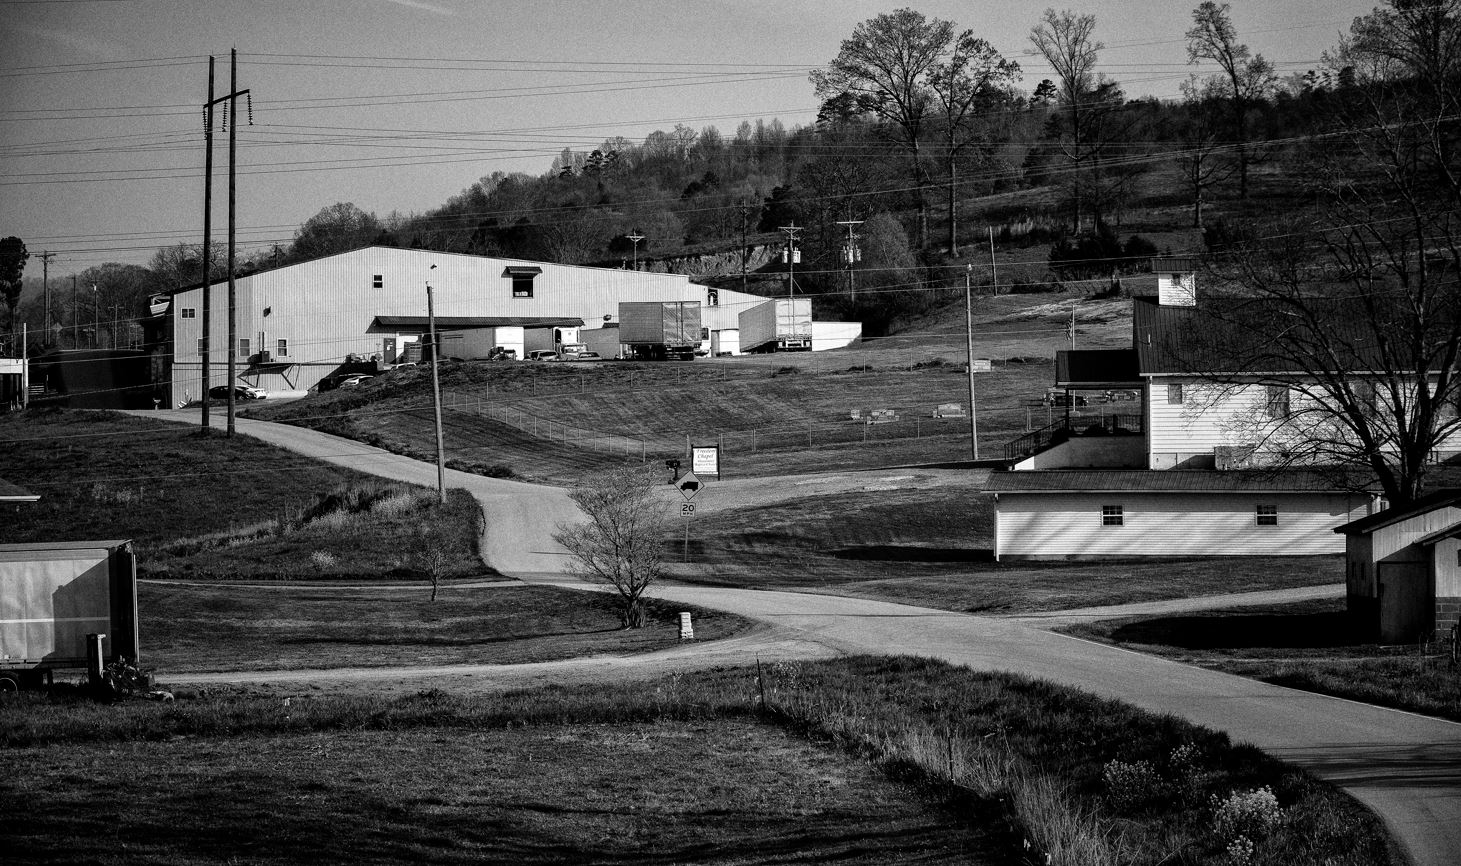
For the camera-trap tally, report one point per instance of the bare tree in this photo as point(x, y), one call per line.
point(1086, 100)
point(1353, 320)
point(1201, 159)
point(972, 82)
point(622, 541)
point(884, 69)
point(1248, 78)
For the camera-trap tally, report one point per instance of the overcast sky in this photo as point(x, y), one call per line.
point(396, 105)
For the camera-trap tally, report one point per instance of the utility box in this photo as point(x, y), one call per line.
point(53, 595)
point(660, 329)
point(780, 325)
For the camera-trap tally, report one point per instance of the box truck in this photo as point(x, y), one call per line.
point(54, 598)
point(656, 330)
point(779, 325)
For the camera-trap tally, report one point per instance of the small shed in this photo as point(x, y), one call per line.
point(1097, 513)
point(1403, 568)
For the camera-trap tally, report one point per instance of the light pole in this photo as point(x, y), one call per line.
point(636, 238)
point(436, 394)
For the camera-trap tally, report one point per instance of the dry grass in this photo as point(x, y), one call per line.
point(667, 770)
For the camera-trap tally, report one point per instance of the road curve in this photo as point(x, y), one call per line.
point(1407, 768)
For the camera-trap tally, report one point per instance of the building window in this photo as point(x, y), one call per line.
point(282, 348)
point(522, 280)
point(1266, 515)
point(712, 298)
point(243, 347)
point(378, 281)
point(1111, 515)
point(1364, 395)
point(1174, 394)
point(1278, 401)
point(189, 313)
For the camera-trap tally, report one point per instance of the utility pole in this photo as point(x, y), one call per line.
point(233, 96)
point(745, 245)
point(1072, 326)
point(993, 266)
point(45, 258)
point(206, 344)
point(231, 102)
point(636, 238)
point(436, 395)
point(790, 256)
point(95, 318)
point(969, 334)
point(851, 252)
point(75, 316)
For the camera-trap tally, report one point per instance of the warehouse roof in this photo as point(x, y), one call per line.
point(1158, 481)
point(396, 323)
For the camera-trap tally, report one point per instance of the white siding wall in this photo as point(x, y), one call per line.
point(1208, 416)
point(834, 335)
point(1170, 524)
point(1213, 415)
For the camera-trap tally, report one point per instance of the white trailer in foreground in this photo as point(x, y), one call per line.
point(54, 598)
point(779, 325)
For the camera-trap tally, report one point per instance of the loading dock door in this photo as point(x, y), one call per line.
point(1407, 610)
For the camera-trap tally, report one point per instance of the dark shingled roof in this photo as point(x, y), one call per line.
point(1429, 502)
point(1176, 264)
point(1156, 481)
point(442, 322)
point(11, 493)
point(1091, 368)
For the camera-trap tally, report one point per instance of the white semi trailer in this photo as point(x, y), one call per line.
point(779, 325)
point(656, 330)
point(63, 606)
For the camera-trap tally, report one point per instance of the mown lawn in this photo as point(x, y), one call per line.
point(933, 548)
point(241, 628)
point(1311, 646)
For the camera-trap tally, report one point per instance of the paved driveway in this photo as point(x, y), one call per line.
point(1405, 767)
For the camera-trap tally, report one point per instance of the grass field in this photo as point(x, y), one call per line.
point(1311, 646)
point(856, 760)
point(773, 414)
point(209, 509)
point(241, 628)
point(933, 548)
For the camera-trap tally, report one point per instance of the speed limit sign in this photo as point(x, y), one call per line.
point(687, 509)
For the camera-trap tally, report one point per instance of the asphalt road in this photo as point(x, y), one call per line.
point(1407, 768)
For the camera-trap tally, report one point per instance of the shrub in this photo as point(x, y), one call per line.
point(323, 559)
point(1246, 814)
point(1132, 786)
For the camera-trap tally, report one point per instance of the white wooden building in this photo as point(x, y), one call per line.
point(1403, 568)
point(297, 324)
point(1077, 514)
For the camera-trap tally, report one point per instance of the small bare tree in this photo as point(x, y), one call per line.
point(622, 542)
point(431, 552)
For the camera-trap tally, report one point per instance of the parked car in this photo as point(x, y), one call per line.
point(1061, 398)
point(543, 355)
point(502, 353)
point(1114, 396)
point(586, 356)
point(354, 380)
point(240, 392)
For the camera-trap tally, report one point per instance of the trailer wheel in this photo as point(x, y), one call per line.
point(9, 683)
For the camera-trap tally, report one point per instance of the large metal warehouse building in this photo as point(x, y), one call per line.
point(297, 324)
